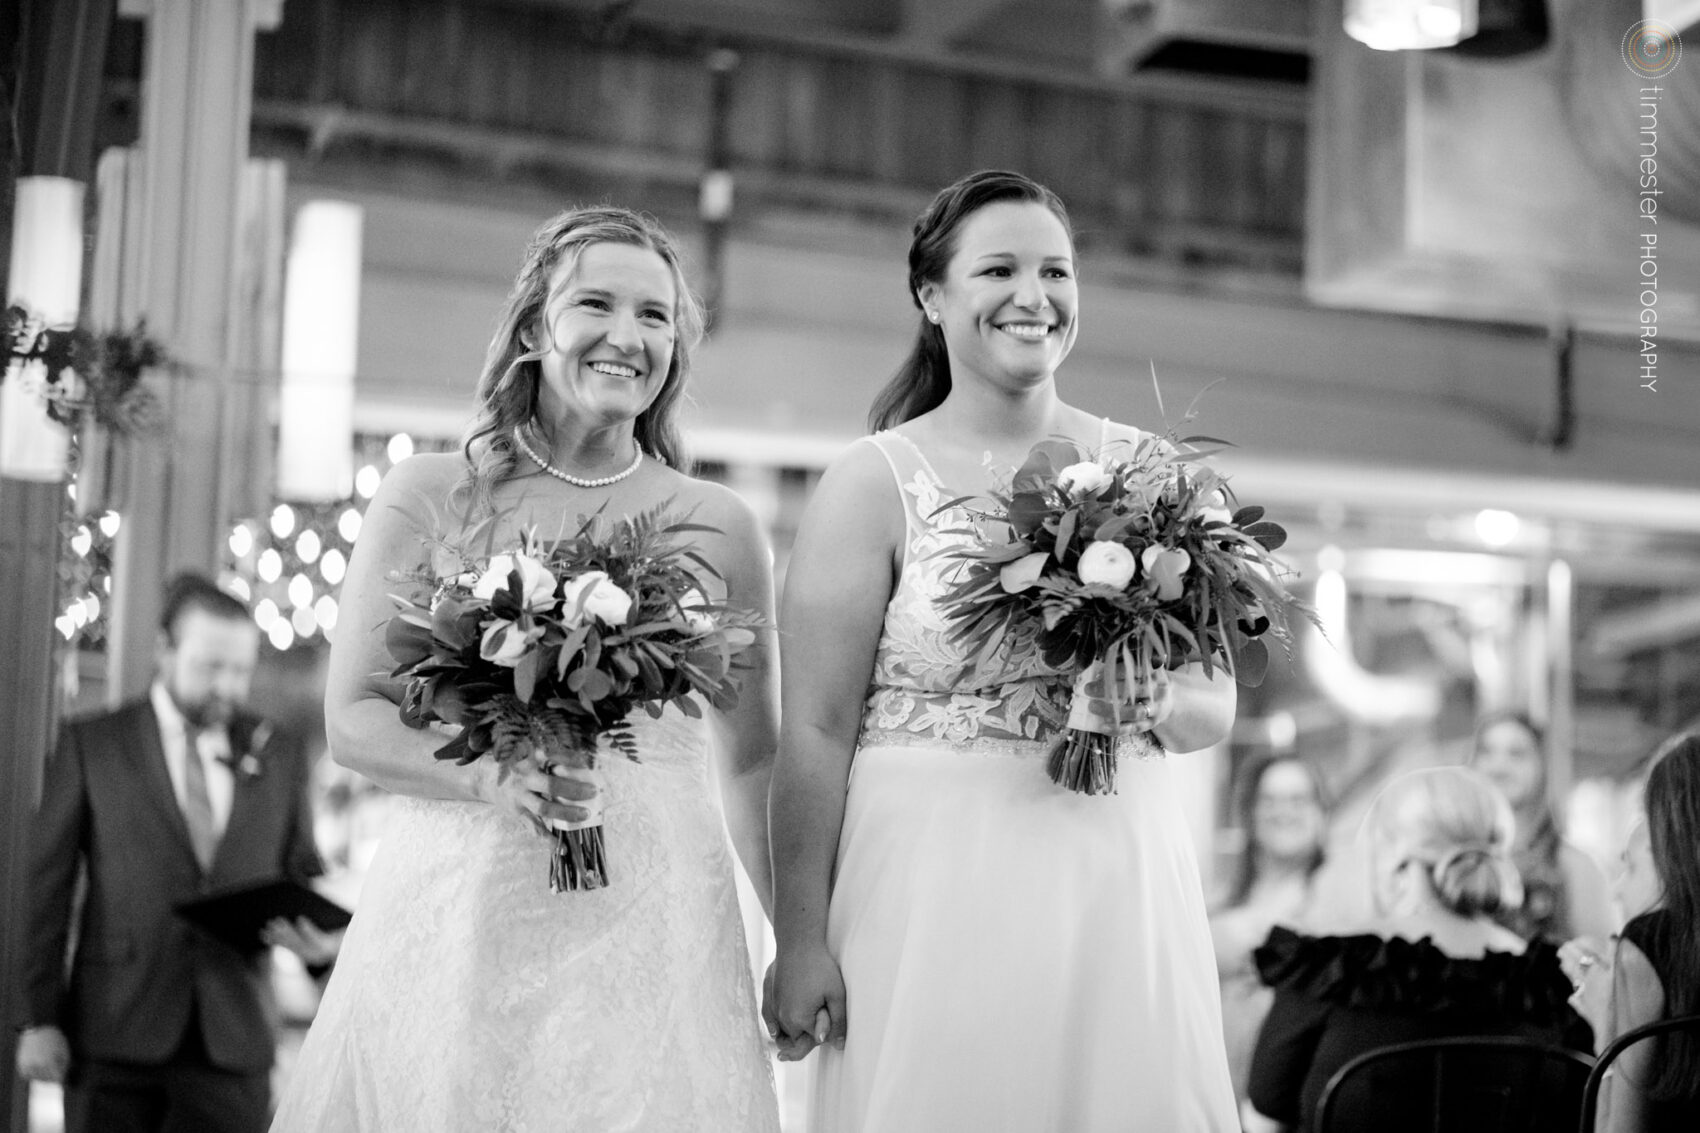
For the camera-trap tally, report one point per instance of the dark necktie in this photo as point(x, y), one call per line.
point(197, 801)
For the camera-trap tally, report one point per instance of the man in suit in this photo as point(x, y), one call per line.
point(153, 1025)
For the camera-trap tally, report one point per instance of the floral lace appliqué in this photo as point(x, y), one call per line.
point(924, 683)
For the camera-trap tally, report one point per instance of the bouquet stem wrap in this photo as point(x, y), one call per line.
point(580, 858)
point(1084, 759)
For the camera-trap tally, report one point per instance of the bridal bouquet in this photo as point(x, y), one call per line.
point(1120, 567)
point(539, 650)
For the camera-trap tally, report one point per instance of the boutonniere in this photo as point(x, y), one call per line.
point(248, 764)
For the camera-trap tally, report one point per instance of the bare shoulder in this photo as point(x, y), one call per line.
point(859, 470)
point(431, 474)
point(715, 505)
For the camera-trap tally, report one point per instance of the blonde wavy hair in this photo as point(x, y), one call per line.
point(507, 395)
point(1453, 821)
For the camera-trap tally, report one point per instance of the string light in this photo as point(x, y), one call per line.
point(281, 634)
point(366, 481)
point(289, 563)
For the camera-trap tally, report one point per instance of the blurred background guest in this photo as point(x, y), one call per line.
point(1435, 963)
point(1654, 971)
point(1564, 891)
point(1285, 820)
point(151, 1023)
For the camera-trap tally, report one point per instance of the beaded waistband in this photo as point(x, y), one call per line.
point(1139, 746)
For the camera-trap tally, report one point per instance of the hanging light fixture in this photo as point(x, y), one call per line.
point(321, 319)
point(45, 278)
point(1406, 25)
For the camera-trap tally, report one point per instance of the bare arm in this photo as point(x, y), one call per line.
point(836, 590)
point(747, 736)
point(1637, 997)
point(365, 732)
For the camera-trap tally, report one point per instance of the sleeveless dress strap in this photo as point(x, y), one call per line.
point(906, 461)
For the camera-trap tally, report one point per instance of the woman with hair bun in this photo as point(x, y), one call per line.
point(1435, 963)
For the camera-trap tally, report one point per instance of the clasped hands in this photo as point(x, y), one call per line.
point(803, 1006)
point(557, 798)
point(1142, 704)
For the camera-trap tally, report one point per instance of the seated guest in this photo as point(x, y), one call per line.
point(1564, 891)
point(1434, 964)
point(1285, 821)
point(1654, 971)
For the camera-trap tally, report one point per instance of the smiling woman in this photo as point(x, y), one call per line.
point(467, 995)
point(973, 946)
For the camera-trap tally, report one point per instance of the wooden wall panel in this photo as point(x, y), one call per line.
point(1193, 180)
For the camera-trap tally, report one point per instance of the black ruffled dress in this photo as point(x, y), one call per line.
point(1337, 997)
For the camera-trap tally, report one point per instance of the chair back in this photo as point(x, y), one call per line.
point(1475, 1084)
point(1614, 1049)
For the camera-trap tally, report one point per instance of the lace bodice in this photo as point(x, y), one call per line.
point(924, 684)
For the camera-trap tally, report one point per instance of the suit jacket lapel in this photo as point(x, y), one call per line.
point(150, 749)
point(248, 737)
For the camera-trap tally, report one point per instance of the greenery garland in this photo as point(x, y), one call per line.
point(89, 371)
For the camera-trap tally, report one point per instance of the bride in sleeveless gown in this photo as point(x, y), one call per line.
point(966, 945)
point(467, 995)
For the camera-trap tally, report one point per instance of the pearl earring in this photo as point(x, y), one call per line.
point(933, 316)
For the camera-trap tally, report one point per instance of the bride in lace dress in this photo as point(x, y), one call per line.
point(467, 996)
point(972, 946)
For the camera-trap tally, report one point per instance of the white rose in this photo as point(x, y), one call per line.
point(504, 643)
point(537, 585)
point(1023, 572)
point(1082, 479)
point(1216, 510)
point(693, 607)
point(592, 595)
point(1163, 570)
point(1106, 564)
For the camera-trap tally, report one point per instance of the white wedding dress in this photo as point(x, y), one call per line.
point(1017, 957)
point(468, 997)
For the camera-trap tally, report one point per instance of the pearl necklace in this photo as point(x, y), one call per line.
point(577, 481)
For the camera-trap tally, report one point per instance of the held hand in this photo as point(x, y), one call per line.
point(808, 998)
point(538, 796)
point(314, 945)
point(44, 1055)
point(1141, 705)
point(1587, 962)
